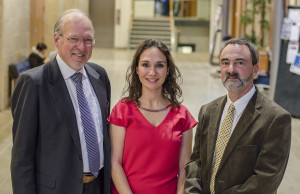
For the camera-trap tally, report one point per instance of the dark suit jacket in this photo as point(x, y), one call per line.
point(256, 155)
point(46, 153)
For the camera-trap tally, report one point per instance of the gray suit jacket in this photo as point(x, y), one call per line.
point(46, 153)
point(256, 155)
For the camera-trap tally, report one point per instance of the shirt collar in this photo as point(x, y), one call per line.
point(67, 71)
point(241, 103)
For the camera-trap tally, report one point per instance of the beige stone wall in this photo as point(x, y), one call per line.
point(53, 8)
point(15, 34)
point(52, 12)
point(1, 34)
point(14, 41)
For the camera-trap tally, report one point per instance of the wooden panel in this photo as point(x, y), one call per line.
point(242, 8)
point(36, 22)
point(237, 11)
point(191, 8)
point(236, 15)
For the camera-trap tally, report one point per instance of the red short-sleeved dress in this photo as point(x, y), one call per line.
point(151, 154)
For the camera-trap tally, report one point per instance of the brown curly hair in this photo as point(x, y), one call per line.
point(170, 88)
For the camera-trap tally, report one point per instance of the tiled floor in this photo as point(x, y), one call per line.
point(199, 87)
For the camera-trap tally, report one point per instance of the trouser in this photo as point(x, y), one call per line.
point(96, 186)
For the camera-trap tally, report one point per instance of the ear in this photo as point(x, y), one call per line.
point(56, 39)
point(168, 70)
point(255, 70)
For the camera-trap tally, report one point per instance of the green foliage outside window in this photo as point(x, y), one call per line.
point(253, 15)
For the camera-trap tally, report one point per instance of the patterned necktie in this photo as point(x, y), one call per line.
point(88, 126)
point(221, 143)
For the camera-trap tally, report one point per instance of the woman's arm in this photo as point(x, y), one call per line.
point(117, 136)
point(184, 158)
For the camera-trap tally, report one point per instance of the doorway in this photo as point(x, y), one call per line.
point(102, 15)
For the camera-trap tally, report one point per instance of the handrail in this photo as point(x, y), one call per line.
point(181, 8)
point(172, 26)
point(171, 19)
point(131, 15)
point(171, 15)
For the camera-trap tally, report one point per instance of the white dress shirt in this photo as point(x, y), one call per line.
point(89, 92)
point(239, 106)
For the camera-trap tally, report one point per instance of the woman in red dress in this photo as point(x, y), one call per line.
point(151, 131)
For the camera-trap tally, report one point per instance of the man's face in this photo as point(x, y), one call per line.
point(237, 71)
point(73, 44)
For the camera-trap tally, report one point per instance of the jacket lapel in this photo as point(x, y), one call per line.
point(249, 115)
point(100, 92)
point(98, 88)
point(63, 101)
point(215, 117)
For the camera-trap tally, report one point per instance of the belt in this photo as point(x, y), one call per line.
point(89, 177)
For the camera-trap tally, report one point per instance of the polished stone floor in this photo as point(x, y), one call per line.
point(199, 87)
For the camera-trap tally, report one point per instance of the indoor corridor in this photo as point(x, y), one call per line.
point(199, 87)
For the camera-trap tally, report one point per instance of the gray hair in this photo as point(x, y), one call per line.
point(67, 16)
point(242, 41)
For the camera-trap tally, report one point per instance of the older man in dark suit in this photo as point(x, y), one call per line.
point(242, 141)
point(60, 138)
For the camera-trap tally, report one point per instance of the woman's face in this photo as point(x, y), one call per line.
point(152, 69)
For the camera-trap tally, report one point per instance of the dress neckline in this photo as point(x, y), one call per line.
point(147, 121)
point(153, 110)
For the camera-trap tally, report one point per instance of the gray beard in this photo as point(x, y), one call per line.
point(232, 85)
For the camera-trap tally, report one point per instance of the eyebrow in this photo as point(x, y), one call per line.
point(240, 59)
point(75, 36)
point(237, 59)
point(161, 62)
point(156, 61)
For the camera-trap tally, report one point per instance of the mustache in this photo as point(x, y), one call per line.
point(232, 75)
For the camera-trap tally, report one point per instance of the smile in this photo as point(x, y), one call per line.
point(79, 55)
point(151, 80)
point(229, 78)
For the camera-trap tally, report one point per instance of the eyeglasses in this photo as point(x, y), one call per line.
point(75, 41)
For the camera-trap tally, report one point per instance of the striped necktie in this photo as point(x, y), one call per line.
point(221, 144)
point(88, 126)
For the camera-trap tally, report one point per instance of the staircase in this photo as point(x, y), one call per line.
point(153, 28)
